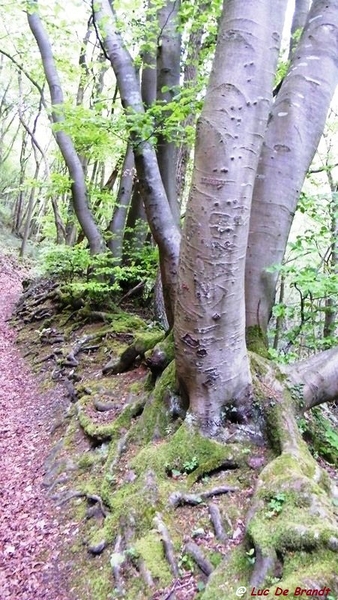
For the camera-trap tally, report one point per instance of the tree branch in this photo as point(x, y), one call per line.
point(318, 376)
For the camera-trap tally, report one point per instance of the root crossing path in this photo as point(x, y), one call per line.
point(31, 529)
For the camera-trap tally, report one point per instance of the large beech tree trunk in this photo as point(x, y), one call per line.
point(289, 145)
point(211, 356)
point(72, 160)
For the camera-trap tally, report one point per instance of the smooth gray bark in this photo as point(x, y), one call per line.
point(289, 146)
point(168, 82)
point(118, 222)
point(211, 357)
point(316, 378)
point(72, 160)
point(300, 16)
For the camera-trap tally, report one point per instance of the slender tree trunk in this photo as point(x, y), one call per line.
point(72, 160)
point(300, 16)
point(160, 218)
point(330, 301)
point(58, 222)
point(17, 216)
point(289, 147)
point(280, 318)
point(30, 209)
point(118, 222)
point(136, 227)
point(211, 357)
point(190, 78)
point(168, 82)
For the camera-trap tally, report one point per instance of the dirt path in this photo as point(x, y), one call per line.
point(30, 532)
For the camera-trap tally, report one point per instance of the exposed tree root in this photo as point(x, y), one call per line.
point(167, 544)
point(90, 497)
point(145, 573)
point(178, 498)
point(198, 557)
point(138, 348)
point(103, 406)
point(81, 346)
point(159, 357)
point(113, 429)
point(116, 566)
point(293, 494)
point(216, 519)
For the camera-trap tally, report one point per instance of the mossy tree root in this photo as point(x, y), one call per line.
point(81, 346)
point(216, 520)
point(291, 531)
point(107, 431)
point(163, 353)
point(167, 544)
point(116, 565)
point(292, 510)
point(198, 557)
point(141, 344)
point(179, 498)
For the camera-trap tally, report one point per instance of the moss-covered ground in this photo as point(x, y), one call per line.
point(141, 483)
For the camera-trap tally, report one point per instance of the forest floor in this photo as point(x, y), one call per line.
point(77, 494)
point(32, 529)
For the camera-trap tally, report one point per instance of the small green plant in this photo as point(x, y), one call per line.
point(132, 553)
point(276, 505)
point(302, 425)
point(178, 470)
point(186, 563)
point(250, 556)
point(190, 465)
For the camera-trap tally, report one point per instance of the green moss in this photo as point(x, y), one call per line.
point(185, 445)
point(126, 322)
point(286, 486)
point(156, 421)
point(87, 460)
point(107, 532)
point(233, 572)
point(150, 549)
point(165, 347)
point(140, 501)
point(110, 430)
point(257, 341)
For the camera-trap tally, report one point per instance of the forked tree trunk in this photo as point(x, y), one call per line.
point(289, 146)
point(211, 357)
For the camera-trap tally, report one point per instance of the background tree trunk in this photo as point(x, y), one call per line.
point(168, 83)
point(160, 218)
point(288, 149)
point(72, 160)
